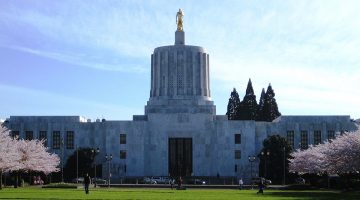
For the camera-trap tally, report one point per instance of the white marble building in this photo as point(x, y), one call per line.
point(179, 132)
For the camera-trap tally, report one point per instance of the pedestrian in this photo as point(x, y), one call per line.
point(241, 183)
point(261, 187)
point(172, 183)
point(87, 182)
point(179, 182)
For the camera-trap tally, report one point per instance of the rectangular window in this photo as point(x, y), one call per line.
point(236, 168)
point(29, 135)
point(43, 136)
point(56, 140)
point(122, 138)
point(70, 139)
point(290, 138)
point(122, 154)
point(237, 138)
point(331, 135)
point(15, 134)
point(317, 137)
point(304, 140)
point(237, 154)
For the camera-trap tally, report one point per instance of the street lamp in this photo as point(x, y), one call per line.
point(251, 160)
point(94, 153)
point(284, 158)
point(264, 155)
point(62, 159)
point(108, 159)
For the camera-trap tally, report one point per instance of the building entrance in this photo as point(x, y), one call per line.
point(180, 157)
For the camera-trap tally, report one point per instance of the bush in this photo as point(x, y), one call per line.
point(61, 185)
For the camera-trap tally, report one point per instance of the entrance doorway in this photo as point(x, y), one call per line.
point(180, 157)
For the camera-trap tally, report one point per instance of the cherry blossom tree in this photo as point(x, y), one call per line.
point(34, 157)
point(25, 155)
point(8, 155)
point(341, 155)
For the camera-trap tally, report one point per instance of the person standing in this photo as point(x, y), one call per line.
point(87, 182)
point(241, 183)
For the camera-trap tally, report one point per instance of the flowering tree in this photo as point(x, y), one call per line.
point(8, 156)
point(25, 155)
point(34, 157)
point(341, 155)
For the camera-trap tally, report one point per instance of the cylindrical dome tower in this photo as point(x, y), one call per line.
point(179, 76)
point(180, 72)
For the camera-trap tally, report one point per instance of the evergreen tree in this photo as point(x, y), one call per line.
point(233, 106)
point(248, 107)
point(270, 109)
point(259, 114)
point(273, 157)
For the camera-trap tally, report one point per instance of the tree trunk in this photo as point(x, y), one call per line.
point(1, 172)
point(16, 180)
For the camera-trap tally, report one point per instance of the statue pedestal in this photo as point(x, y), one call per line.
point(179, 37)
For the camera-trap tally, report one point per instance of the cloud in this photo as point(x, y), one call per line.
point(31, 101)
point(84, 60)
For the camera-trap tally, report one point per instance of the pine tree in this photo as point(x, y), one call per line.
point(248, 108)
point(259, 114)
point(233, 106)
point(270, 109)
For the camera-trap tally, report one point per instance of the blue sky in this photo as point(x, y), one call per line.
point(92, 58)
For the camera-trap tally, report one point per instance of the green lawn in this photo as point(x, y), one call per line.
point(163, 194)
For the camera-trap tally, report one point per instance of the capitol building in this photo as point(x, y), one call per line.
point(179, 132)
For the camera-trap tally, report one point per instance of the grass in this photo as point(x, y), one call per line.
point(165, 194)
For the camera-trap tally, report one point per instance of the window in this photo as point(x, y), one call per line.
point(70, 139)
point(331, 135)
point(56, 140)
point(122, 154)
point(237, 138)
point(304, 140)
point(122, 138)
point(290, 138)
point(15, 134)
point(43, 136)
point(29, 135)
point(317, 137)
point(236, 168)
point(237, 154)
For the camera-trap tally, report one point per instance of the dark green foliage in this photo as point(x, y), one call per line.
point(85, 164)
point(275, 145)
point(233, 106)
point(248, 107)
point(270, 109)
point(259, 112)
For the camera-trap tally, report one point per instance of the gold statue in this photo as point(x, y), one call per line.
point(179, 20)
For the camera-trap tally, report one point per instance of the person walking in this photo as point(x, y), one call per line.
point(87, 182)
point(261, 187)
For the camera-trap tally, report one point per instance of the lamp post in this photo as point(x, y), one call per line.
point(251, 160)
point(284, 165)
point(108, 159)
point(94, 153)
point(265, 155)
point(77, 164)
point(62, 159)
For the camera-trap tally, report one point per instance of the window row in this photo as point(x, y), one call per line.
point(57, 141)
point(304, 138)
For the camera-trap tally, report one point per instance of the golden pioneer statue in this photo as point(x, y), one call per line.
point(179, 20)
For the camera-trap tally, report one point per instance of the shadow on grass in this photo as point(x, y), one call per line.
point(316, 195)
